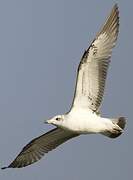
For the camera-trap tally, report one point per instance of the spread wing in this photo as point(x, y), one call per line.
point(94, 64)
point(37, 148)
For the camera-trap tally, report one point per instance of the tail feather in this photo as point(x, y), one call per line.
point(118, 129)
point(121, 122)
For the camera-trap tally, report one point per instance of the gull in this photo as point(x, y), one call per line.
point(84, 116)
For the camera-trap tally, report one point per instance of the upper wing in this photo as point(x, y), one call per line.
point(34, 150)
point(94, 63)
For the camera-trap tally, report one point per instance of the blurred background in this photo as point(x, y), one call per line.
point(41, 43)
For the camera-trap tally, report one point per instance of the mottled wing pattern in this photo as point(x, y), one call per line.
point(94, 64)
point(37, 148)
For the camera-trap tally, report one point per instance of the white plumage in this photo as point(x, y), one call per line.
point(83, 117)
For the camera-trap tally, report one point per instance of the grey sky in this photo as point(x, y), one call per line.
point(41, 43)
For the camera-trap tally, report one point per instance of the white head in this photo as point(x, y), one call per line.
point(56, 120)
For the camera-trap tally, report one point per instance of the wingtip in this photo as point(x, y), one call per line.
point(115, 5)
point(4, 167)
point(116, 8)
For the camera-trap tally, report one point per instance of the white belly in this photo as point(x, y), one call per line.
point(85, 122)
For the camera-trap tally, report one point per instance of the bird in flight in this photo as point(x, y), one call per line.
point(84, 116)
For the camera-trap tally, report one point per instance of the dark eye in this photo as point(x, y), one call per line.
point(57, 119)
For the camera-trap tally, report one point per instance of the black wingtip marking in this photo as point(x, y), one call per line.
point(4, 168)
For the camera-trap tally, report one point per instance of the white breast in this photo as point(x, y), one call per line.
point(84, 121)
